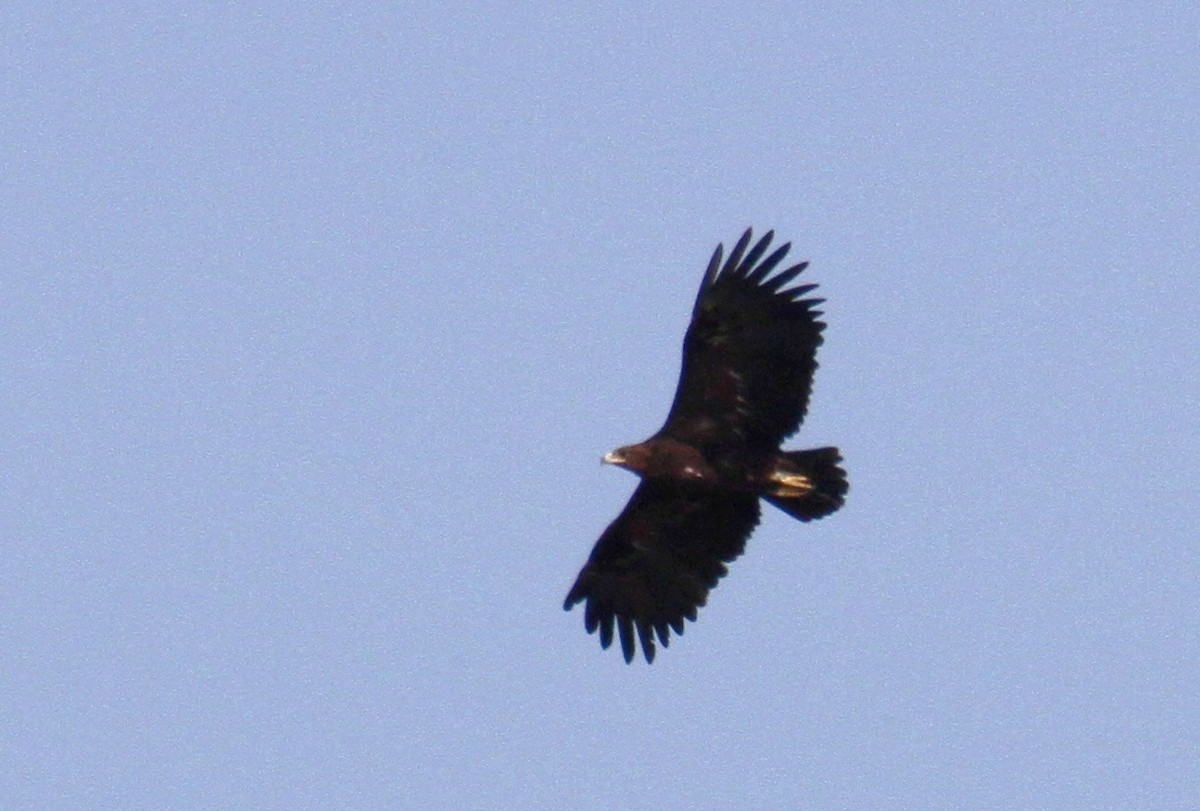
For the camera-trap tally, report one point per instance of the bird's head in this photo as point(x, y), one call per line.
point(630, 457)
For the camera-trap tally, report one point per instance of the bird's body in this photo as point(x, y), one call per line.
point(748, 361)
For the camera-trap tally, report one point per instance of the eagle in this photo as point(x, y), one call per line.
point(748, 361)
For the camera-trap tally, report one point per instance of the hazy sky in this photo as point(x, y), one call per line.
point(317, 320)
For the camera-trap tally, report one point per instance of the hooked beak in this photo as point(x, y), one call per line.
point(613, 458)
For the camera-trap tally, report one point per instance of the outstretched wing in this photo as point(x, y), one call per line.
point(750, 351)
point(654, 565)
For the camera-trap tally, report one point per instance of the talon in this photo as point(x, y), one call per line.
point(791, 485)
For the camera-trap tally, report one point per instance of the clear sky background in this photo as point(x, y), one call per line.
point(318, 318)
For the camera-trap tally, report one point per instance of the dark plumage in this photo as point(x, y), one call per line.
point(748, 362)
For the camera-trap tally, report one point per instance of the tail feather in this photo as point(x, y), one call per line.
point(811, 483)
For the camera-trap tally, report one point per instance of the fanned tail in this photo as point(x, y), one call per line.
point(808, 484)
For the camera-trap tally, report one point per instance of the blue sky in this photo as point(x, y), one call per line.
point(318, 321)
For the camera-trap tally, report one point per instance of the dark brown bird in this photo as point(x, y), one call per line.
point(748, 362)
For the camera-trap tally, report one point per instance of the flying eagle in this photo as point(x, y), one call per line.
point(748, 362)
